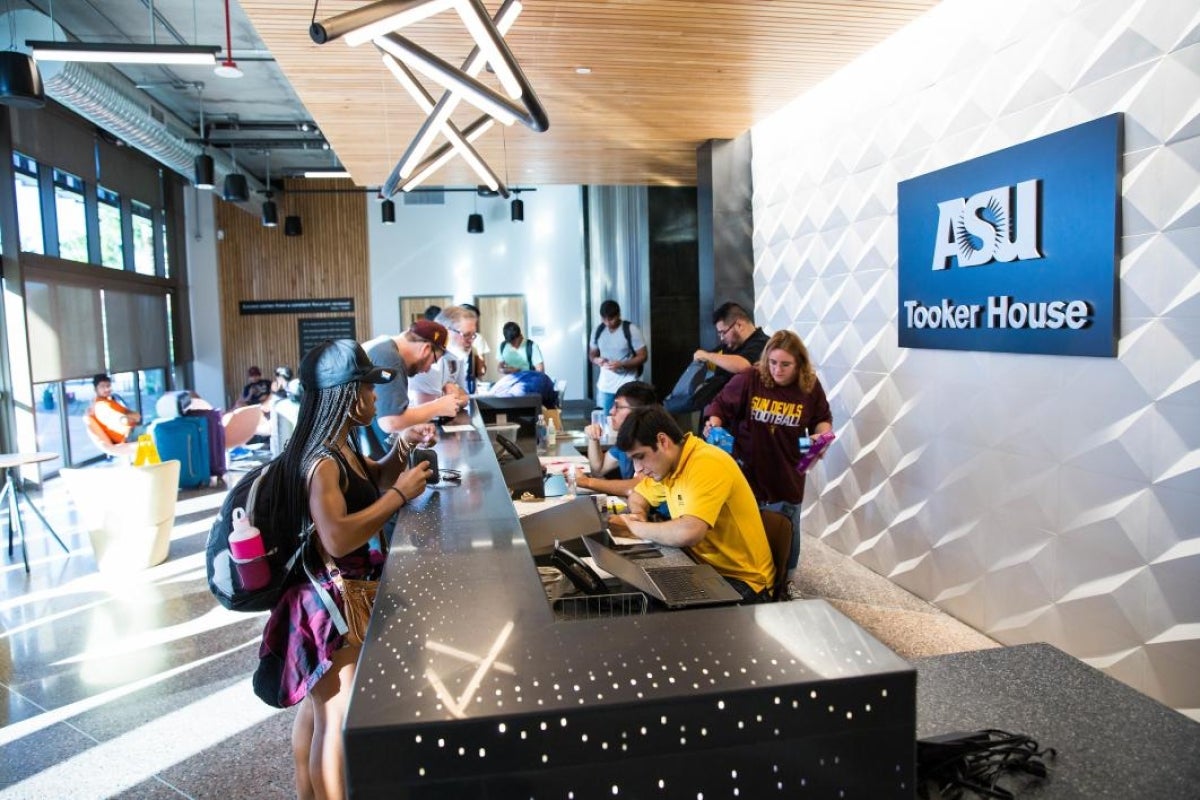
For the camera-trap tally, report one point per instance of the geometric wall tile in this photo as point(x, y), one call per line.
point(1035, 497)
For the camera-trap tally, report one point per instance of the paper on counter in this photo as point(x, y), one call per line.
point(591, 562)
point(457, 428)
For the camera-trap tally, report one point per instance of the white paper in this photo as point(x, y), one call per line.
point(457, 428)
point(591, 562)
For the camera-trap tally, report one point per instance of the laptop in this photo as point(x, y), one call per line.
point(564, 522)
point(677, 586)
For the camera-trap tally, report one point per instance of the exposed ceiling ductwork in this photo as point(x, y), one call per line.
point(107, 98)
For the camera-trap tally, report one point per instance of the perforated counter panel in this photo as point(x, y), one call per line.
point(468, 686)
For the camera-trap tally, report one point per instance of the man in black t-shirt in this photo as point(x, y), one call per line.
point(256, 390)
point(742, 344)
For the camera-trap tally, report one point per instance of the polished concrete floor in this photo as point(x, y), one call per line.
point(139, 686)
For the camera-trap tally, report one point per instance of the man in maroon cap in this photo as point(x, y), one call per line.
point(407, 354)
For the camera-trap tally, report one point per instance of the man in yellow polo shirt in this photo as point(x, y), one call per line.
point(713, 510)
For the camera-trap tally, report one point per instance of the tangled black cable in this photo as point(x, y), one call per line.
point(951, 764)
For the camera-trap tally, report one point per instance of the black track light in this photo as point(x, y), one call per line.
point(270, 214)
point(388, 209)
point(236, 189)
point(20, 81)
point(518, 210)
point(291, 225)
point(475, 223)
point(204, 171)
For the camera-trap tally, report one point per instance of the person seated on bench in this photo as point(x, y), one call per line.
point(112, 418)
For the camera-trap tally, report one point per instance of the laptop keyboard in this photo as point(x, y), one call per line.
point(678, 583)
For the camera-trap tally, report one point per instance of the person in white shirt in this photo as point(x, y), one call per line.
point(450, 374)
point(618, 349)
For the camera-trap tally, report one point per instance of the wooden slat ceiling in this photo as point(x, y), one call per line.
point(666, 75)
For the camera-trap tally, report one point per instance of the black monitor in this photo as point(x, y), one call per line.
point(522, 410)
point(524, 477)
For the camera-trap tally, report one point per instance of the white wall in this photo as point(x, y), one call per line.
point(1034, 497)
point(429, 252)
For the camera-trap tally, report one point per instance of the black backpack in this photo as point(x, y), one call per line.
point(628, 341)
point(528, 351)
point(286, 556)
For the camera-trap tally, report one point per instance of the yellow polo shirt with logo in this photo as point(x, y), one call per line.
point(707, 484)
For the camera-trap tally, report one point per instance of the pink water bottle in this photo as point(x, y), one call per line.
point(245, 542)
point(246, 547)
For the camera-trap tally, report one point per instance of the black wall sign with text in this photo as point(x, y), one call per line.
point(314, 305)
point(316, 330)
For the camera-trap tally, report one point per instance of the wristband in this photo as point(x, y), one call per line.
point(403, 499)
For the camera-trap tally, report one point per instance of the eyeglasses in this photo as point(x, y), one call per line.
point(721, 332)
point(465, 335)
point(615, 408)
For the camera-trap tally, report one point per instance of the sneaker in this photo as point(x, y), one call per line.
point(792, 592)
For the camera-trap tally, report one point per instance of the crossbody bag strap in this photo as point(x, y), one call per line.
point(308, 536)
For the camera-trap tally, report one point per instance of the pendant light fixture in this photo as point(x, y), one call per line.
point(228, 68)
point(270, 214)
point(203, 164)
point(236, 189)
point(475, 220)
point(20, 80)
point(517, 206)
point(388, 210)
point(292, 226)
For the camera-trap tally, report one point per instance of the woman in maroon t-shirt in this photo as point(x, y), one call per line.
point(768, 409)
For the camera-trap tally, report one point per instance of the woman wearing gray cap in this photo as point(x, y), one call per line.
point(322, 479)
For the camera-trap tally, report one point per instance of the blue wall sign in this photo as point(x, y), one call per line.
point(1016, 251)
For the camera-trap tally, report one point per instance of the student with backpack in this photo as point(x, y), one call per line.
point(322, 484)
point(618, 349)
point(518, 354)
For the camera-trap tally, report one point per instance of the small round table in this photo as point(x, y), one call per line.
point(11, 463)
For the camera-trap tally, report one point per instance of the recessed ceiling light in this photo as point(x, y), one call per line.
point(583, 70)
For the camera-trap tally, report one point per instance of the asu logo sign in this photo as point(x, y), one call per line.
point(979, 229)
point(1015, 251)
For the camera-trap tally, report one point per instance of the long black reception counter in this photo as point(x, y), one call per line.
point(469, 687)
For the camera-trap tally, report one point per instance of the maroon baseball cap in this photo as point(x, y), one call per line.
point(432, 332)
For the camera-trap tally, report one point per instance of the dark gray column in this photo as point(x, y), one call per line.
point(726, 225)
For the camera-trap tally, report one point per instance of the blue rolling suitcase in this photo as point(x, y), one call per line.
point(216, 439)
point(184, 439)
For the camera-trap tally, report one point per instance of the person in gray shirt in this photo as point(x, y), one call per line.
point(409, 354)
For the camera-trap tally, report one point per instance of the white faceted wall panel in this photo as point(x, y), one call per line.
point(1034, 497)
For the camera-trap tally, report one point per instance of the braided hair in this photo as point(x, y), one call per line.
point(320, 426)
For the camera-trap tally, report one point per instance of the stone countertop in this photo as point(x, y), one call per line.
point(1111, 740)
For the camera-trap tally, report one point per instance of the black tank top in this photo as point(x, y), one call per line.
point(359, 493)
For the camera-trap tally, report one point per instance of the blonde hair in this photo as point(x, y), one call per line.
point(789, 342)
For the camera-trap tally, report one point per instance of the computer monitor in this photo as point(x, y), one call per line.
point(566, 522)
point(524, 477)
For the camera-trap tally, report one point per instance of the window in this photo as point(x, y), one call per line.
point(152, 383)
point(77, 397)
point(143, 238)
point(166, 248)
point(29, 204)
point(45, 408)
point(112, 237)
point(72, 217)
